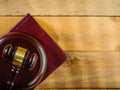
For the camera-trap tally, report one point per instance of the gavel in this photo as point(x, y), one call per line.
point(24, 60)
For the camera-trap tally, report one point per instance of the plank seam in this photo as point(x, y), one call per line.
point(62, 15)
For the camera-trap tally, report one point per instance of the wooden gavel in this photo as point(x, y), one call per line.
point(24, 61)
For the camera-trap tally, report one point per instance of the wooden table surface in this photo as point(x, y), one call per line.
point(88, 32)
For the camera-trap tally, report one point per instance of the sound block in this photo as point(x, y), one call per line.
point(25, 79)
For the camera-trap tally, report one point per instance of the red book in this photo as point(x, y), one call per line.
point(55, 56)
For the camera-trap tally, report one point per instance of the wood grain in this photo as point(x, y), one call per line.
point(76, 33)
point(86, 70)
point(91, 42)
point(60, 7)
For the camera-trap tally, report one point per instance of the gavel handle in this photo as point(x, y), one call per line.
point(14, 73)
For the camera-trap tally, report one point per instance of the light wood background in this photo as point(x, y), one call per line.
point(88, 31)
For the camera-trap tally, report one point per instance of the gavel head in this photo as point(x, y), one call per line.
point(26, 53)
point(20, 57)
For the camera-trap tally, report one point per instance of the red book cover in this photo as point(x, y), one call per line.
point(55, 56)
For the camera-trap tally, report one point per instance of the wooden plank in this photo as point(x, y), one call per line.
point(60, 7)
point(71, 89)
point(62, 89)
point(86, 70)
point(76, 33)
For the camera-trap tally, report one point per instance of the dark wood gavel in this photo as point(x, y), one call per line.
point(20, 58)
